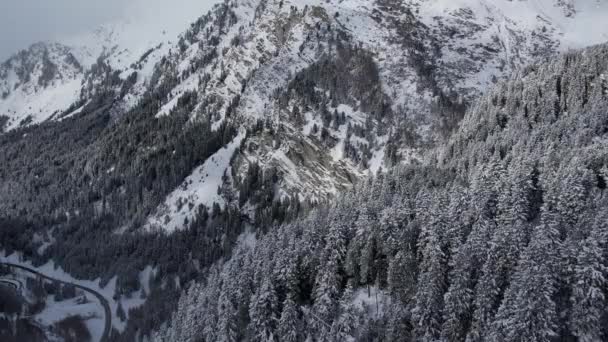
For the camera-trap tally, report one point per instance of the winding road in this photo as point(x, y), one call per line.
point(15, 284)
point(105, 337)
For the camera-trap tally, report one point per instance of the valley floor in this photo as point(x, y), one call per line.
point(96, 305)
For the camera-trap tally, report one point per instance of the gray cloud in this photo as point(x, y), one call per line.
point(24, 22)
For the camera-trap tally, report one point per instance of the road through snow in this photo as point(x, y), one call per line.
point(105, 337)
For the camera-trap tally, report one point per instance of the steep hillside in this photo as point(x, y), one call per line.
point(503, 239)
point(344, 88)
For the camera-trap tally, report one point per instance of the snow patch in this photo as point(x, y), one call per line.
point(37, 104)
point(371, 300)
point(201, 187)
point(89, 311)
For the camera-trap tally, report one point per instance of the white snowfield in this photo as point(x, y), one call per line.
point(521, 29)
point(28, 102)
point(201, 187)
point(38, 98)
point(579, 23)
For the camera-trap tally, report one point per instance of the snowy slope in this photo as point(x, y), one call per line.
point(494, 37)
point(38, 83)
point(248, 52)
point(202, 187)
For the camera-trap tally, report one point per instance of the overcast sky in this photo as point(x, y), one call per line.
point(23, 22)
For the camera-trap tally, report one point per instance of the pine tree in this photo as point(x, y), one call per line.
point(227, 328)
point(263, 312)
point(429, 297)
point(345, 325)
point(289, 327)
point(120, 312)
point(528, 310)
point(505, 247)
point(367, 261)
point(402, 275)
point(325, 304)
point(393, 222)
point(589, 304)
point(328, 282)
point(465, 273)
point(570, 201)
point(399, 326)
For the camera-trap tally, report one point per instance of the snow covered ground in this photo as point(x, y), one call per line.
point(39, 106)
point(372, 300)
point(581, 26)
point(92, 311)
point(201, 187)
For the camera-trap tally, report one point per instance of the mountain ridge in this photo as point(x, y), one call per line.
point(424, 61)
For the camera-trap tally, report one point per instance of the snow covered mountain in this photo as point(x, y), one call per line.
point(52, 80)
point(38, 83)
point(348, 87)
point(322, 92)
